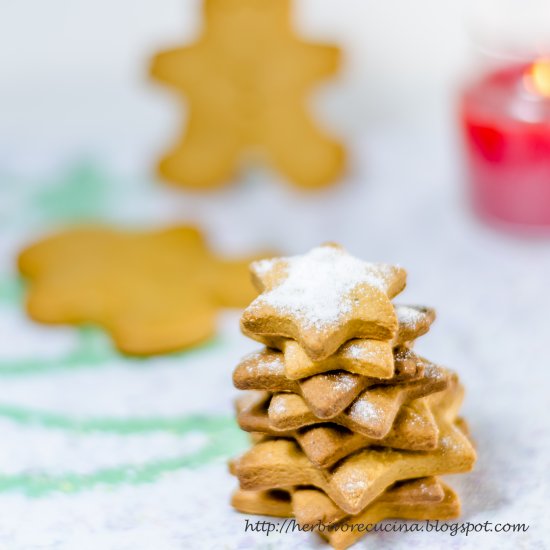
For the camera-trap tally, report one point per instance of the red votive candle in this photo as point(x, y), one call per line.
point(505, 116)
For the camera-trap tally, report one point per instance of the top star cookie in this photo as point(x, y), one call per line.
point(323, 298)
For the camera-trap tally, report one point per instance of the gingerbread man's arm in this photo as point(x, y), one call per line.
point(317, 61)
point(177, 67)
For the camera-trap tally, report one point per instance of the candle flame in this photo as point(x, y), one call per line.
point(537, 78)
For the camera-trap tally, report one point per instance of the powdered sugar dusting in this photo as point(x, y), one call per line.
point(449, 444)
point(358, 350)
point(414, 419)
point(344, 383)
point(409, 317)
point(277, 407)
point(425, 488)
point(365, 412)
point(434, 372)
point(267, 363)
point(354, 350)
point(354, 485)
point(273, 364)
point(262, 267)
point(318, 285)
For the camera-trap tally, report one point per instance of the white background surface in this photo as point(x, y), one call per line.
point(74, 74)
point(73, 84)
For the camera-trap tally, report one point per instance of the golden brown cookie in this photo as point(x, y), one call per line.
point(310, 502)
point(155, 292)
point(371, 414)
point(422, 499)
point(347, 422)
point(366, 357)
point(246, 82)
point(358, 479)
point(414, 429)
point(323, 299)
point(341, 537)
point(326, 394)
point(371, 358)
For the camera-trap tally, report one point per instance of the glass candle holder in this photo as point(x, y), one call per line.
point(505, 121)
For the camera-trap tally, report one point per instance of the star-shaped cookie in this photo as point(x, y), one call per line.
point(324, 444)
point(326, 394)
point(418, 499)
point(372, 358)
point(323, 299)
point(358, 479)
point(155, 292)
point(372, 413)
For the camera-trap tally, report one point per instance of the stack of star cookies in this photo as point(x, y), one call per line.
point(350, 426)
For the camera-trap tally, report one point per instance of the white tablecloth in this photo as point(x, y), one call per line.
point(104, 452)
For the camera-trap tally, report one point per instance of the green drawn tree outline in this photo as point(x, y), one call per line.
point(92, 350)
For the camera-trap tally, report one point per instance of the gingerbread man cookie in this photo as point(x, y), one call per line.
point(246, 81)
point(155, 292)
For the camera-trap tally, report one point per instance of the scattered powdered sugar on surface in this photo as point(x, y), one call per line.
point(364, 411)
point(317, 286)
point(487, 336)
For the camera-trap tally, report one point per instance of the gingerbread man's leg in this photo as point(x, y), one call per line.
point(207, 155)
point(300, 150)
point(297, 147)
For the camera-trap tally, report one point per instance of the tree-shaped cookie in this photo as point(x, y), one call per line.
point(154, 292)
point(340, 409)
point(246, 81)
